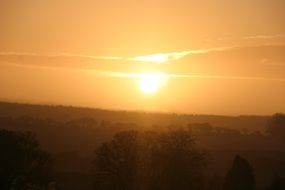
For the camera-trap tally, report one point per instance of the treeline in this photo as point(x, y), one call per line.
point(69, 113)
point(130, 156)
point(85, 134)
point(131, 160)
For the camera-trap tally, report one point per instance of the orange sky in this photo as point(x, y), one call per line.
point(220, 56)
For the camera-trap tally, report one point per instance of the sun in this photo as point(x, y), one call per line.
point(149, 83)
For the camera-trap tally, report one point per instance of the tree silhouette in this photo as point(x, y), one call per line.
point(276, 126)
point(22, 164)
point(240, 176)
point(216, 183)
point(149, 160)
point(276, 184)
point(116, 162)
point(176, 163)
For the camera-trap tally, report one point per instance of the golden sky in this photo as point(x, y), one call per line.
point(206, 56)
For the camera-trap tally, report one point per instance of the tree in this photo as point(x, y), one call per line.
point(176, 162)
point(275, 184)
point(240, 176)
point(201, 128)
point(149, 160)
point(22, 164)
point(216, 183)
point(276, 126)
point(115, 164)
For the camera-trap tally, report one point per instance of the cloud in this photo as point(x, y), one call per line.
point(61, 60)
point(155, 58)
point(188, 76)
point(158, 58)
point(261, 38)
point(162, 58)
point(171, 61)
point(191, 76)
point(235, 61)
point(29, 54)
point(265, 36)
point(224, 77)
point(137, 75)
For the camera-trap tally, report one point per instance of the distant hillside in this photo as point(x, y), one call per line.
point(66, 113)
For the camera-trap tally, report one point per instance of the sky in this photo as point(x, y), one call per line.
point(223, 57)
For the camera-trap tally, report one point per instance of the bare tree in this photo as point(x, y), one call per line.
point(149, 160)
point(22, 164)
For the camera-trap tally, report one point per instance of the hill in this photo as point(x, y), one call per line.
point(67, 113)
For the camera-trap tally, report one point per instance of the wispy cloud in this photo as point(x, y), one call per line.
point(224, 77)
point(260, 37)
point(156, 58)
point(137, 75)
point(265, 36)
point(80, 61)
point(150, 58)
point(60, 55)
point(191, 76)
point(186, 76)
point(161, 58)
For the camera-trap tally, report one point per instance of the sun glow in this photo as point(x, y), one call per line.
point(150, 82)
